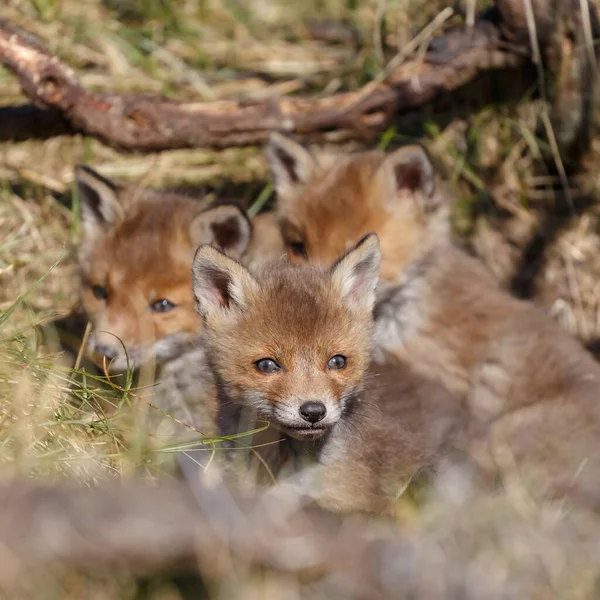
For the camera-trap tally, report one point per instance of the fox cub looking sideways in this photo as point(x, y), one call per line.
point(294, 346)
point(532, 392)
point(135, 258)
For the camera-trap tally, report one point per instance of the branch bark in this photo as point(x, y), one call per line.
point(144, 529)
point(136, 122)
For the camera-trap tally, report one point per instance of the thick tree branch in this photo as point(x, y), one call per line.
point(136, 122)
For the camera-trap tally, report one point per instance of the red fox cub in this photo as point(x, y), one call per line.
point(135, 258)
point(532, 392)
point(293, 345)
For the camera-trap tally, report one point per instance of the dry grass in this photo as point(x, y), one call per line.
point(56, 423)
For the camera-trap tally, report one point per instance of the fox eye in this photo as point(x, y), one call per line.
point(161, 306)
point(267, 366)
point(297, 248)
point(100, 292)
point(337, 362)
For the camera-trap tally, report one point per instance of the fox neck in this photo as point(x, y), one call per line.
point(400, 310)
point(183, 349)
point(230, 408)
point(232, 411)
point(417, 320)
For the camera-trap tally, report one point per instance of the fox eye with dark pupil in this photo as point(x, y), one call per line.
point(337, 362)
point(100, 292)
point(297, 248)
point(162, 305)
point(267, 366)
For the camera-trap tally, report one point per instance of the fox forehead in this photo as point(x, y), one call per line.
point(130, 266)
point(131, 253)
point(297, 315)
point(343, 197)
point(340, 181)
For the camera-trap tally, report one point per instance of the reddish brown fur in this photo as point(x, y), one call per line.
point(298, 321)
point(531, 390)
point(343, 200)
point(404, 424)
point(144, 254)
point(299, 318)
point(266, 243)
point(145, 258)
point(138, 244)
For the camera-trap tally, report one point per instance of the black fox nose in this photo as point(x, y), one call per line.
point(107, 351)
point(312, 411)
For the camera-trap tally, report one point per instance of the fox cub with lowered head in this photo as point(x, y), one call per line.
point(293, 345)
point(532, 392)
point(135, 258)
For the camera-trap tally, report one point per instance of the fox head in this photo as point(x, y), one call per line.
point(135, 255)
point(290, 343)
point(326, 202)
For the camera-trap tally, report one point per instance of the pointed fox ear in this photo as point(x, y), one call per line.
point(356, 274)
point(221, 285)
point(409, 172)
point(291, 163)
point(226, 227)
point(99, 201)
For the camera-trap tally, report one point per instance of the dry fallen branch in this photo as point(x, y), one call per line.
point(469, 546)
point(144, 529)
point(548, 16)
point(136, 122)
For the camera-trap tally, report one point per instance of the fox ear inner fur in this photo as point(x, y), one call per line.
point(221, 285)
point(226, 227)
point(410, 172)
point(101, 208)
point(291, 163)
point(356, 274)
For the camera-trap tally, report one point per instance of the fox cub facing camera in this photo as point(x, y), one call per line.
point(293, 345)
point(532, 392)
point(135, 258)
